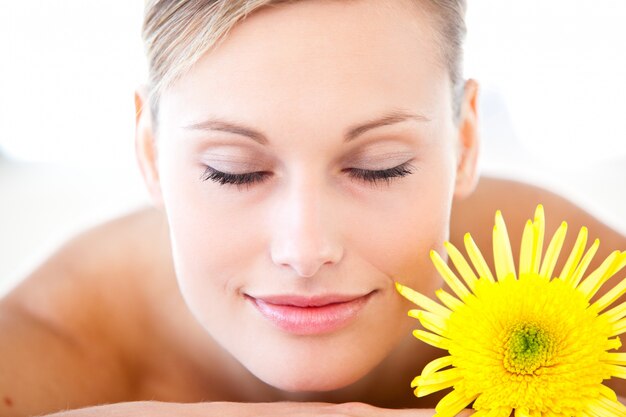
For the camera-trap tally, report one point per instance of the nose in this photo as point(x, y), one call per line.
point(304, 236)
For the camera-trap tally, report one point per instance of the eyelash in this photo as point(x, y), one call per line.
point(248, 178)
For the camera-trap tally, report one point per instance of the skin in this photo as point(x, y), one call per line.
point(300, 231)
point(102, 321)
point(151, 307)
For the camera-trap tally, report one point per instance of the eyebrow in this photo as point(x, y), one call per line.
point(389, 118)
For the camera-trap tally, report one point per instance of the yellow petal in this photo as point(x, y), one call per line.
point(449, 376)
point(617, 371)
point(461, 265)
point(615, 358)
point(430, 321)
point(432, 339)
point(623, 261)
point(422, 301)
point(611, 296)
point(618, 327)
point(416, 382)
point(539, 224)
point(615, 343)
point(575, 255)
point(429, 389)
point(477, 258)
point(449, 300)
point(598, 277)
point(614, 406)
point(575, 278)
point(446, 273)
point(527, 248)
point(437, 381)
point(553, 251)
point(437, 365)
point(608, 392)
point(603, 407)
point(613, 314)
point(502, 254)
point(453, 403)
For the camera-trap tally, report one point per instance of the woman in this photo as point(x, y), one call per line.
point(298, 167)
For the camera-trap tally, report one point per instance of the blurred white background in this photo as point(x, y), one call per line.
point(553, 110)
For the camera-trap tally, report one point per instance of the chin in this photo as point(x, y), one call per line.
point(310, 369)
point(312, 381)
point(316, 363)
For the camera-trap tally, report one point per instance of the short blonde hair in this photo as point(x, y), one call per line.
point(176, 33)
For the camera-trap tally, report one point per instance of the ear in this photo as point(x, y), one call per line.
point(468, 142)
point(145, 146)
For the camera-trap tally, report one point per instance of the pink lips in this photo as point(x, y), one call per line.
point(310, 315)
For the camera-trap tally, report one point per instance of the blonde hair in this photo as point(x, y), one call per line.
point(176, 33)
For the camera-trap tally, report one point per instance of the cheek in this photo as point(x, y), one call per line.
point(209, 240)
point(398, 239)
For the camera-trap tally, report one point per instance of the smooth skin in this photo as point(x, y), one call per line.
point(152, 307)
point(102, 321)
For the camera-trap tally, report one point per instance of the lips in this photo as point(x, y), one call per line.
point(310, 315)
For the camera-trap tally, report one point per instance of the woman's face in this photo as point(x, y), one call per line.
point(339, 115)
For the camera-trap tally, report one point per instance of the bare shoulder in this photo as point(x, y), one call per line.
point(517, 201)
point(69, 329)
point(94, 268)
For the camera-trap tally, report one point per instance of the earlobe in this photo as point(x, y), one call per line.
point(469, 141)
point(145, 147)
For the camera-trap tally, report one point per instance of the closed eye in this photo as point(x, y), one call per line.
point(381, 175)
point(224, 178)
point(249, 178)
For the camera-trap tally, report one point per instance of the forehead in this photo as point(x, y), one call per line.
point(317, 56)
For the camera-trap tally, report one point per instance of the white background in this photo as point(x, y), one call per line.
point(553, 110)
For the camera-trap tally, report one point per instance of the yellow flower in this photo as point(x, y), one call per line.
point(531, 341)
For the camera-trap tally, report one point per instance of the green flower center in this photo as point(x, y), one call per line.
point(527, 347)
